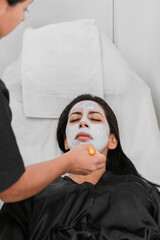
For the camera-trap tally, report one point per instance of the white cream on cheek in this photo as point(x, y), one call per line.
point(98, 131)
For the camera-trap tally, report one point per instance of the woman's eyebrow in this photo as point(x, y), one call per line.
point(79, 113)
point(92, 112)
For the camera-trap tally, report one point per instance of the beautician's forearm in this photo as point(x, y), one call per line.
point(35, 178)
point(38, 176)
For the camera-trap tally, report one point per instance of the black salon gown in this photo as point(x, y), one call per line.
point(118, 207)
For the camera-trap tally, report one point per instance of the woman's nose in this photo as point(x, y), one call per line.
point(83, 124)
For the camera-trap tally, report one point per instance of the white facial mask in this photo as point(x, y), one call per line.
point(98, 131)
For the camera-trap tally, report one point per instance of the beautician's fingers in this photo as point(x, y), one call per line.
point(101, 166)
point(90, 146)
point(99, 158)
point(81, 162)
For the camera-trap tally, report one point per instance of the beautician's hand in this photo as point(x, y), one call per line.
point(81, 162)
point(39, 175)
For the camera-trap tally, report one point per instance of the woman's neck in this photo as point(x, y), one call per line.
point(92, 178)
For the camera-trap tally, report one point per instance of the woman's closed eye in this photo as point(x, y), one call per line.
point(95, 117)
point(95, 120)
point(74, 120)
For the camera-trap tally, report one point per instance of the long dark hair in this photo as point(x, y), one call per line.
point(14, 2)
point(117, 162)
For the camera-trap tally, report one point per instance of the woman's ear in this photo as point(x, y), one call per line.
point(112, 144)
point(65, 143)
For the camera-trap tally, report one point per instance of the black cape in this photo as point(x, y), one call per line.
point(118, 207)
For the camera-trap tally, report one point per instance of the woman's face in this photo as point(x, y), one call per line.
point(87, 124)
point(12, 16)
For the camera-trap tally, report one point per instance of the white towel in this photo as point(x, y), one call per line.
point(59, 62)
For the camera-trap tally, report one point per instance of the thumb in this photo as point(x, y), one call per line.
point(91, 146)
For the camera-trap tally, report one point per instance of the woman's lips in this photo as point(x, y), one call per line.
point(83, 137)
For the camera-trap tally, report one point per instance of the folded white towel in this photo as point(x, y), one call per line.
point(59, 62)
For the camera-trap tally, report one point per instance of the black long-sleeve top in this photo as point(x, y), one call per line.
point(11, 163)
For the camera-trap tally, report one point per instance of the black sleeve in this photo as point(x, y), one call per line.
point(11, 163)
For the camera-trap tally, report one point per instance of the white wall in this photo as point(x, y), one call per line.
point(137, 35)
point(136, 32)
point(43, 12)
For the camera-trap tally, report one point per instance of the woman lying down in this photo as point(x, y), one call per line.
point(114, 203)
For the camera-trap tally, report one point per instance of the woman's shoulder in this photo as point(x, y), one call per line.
point(128, 179)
